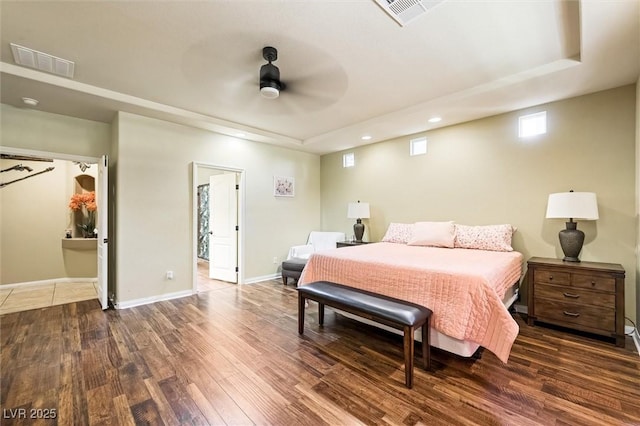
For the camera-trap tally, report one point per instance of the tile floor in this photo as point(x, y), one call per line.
point(41, 296)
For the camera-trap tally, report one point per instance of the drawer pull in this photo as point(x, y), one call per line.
point(571, 314)
point(571, 295)
point(550, 277)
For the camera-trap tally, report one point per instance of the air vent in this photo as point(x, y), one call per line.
point(42, 61)
point(405, 11)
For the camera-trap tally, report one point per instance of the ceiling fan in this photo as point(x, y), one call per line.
point(312, 78)
point(270, 84)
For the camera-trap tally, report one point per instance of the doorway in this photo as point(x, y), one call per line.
point(218, 226)
point(70, 268)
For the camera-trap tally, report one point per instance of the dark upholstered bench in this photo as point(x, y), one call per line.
point(392, 312)
point(292, 268)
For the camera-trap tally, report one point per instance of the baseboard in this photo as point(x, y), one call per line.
point(178, 294)
point(629, 330)
point(48, 282)
point(262, 278)
point(152, 299)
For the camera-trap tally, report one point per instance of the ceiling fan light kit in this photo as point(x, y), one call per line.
point(269, 92)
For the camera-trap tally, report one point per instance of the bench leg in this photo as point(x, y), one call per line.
point(320, 313)
point(301, 303)
point(426, 346)
point(408, 356)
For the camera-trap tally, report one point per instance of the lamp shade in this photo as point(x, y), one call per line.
point(572, 205)
point(358, 210)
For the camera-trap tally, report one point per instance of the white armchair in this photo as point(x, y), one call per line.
point(317, 241)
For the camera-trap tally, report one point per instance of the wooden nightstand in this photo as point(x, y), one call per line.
point(585, 296)
point(349, 243)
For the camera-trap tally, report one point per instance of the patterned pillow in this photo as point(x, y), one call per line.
point(398, 233)
point(489, 237)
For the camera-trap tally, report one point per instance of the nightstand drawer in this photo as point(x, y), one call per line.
point(563, 313)
point(575, 295)
point(551, 277)
point(595, 282)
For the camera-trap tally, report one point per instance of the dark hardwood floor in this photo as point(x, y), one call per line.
point(233, 356)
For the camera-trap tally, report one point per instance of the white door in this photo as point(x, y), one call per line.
point(102, 198)
point(223, 230)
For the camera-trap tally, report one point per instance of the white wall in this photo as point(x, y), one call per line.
point(154, 202)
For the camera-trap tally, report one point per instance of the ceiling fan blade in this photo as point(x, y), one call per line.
point(317, 90)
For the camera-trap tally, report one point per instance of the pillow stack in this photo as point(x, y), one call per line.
point(450, 235)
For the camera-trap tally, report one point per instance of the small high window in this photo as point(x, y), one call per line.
point(418, 146)
point(348, 160)
point(532, 124)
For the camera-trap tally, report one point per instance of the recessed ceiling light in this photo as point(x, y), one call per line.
point(30, 101)
point(435, 119)
point(366, 138)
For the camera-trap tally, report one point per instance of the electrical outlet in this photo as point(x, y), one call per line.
point(169, 275)
point(275, 260)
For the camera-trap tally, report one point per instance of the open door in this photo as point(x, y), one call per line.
point(102, 199)
point(223, 227)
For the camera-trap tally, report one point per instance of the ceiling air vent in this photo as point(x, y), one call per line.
point(405, 11)
point(42, 61)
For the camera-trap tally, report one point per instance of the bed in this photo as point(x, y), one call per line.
point(468, 290)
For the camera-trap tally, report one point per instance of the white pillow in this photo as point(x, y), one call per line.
point(398, 233)
point(433, 234)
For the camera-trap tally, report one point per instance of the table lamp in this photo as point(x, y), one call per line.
point(572, 205)
point(358, 211)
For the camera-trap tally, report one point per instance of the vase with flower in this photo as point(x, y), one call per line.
point(85, 204)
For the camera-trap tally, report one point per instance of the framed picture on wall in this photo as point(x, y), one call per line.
point(283, 186)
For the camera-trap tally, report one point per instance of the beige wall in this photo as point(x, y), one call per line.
point(481, 173)
point(637, 320)
point(154, 202)
point(41, 131)
point(473, 173)
point(35, 211)
point(150, 216)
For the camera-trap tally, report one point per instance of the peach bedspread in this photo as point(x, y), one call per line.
point(463, 287)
